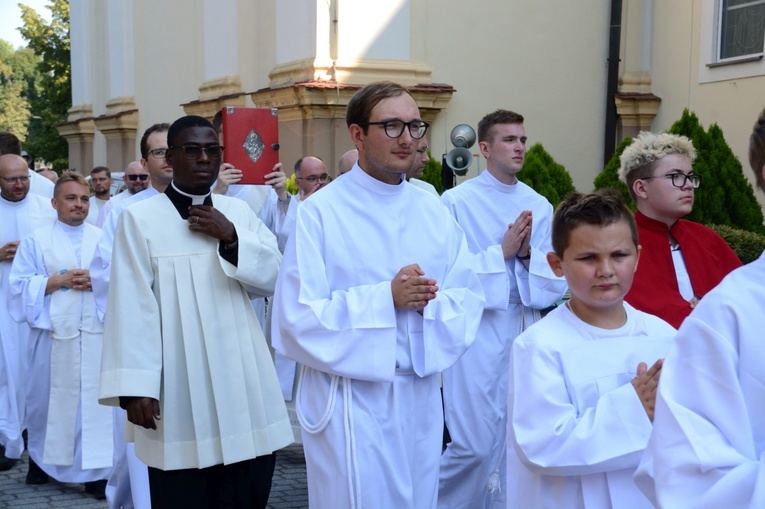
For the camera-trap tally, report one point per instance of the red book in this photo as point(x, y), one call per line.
point(251, 141)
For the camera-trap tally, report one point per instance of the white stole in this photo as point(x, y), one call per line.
point(75, 364)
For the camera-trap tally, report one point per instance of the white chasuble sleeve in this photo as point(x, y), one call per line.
point(710, 408)
point(450, 322)
point(131, 368)
point(28, 278)
point(553, 437)
point(259, 257)
point(349, 332)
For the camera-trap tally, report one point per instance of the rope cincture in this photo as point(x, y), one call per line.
point(351, 461)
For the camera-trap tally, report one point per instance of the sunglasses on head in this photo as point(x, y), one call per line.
point(137, 177)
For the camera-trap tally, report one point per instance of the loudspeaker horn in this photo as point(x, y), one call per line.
point(463, 136)
point(459, 160)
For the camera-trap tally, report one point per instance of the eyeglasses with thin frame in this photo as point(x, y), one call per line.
point(13, 180)
point(314, 179)
point(679, 179)
point(142, 177)
point(395, 128)
point(195, 151)
point(158, 153)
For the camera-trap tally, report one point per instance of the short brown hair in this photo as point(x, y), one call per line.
point(603, 207)
point(66, 177)
point(101, 169)
point(757, 150)
point(364, 101)
point(640, 158)
point(498, 117)
point(162, 127)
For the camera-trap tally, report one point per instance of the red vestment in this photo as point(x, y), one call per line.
point(708, 259)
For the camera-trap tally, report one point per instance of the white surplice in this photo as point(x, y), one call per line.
point(70, 434)
point(425, 186)
point(475, 388)
point(368, 398)
point(17, 220)
point(40, 185)
point(576, 420)
point(707, 449)
point(96, 204)
point(102, 258)
point(197, 347)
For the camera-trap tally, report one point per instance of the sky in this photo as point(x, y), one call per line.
point(10, 18)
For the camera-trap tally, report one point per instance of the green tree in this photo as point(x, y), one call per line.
point(50, 42)
point(545, 176)
point(18, 85)
point(609, 177)
point(14, 108)
point(432, 174)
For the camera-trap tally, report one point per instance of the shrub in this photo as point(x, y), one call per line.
point(747, 245)
point(609, 177)
point(545, 176)
point(432, 174)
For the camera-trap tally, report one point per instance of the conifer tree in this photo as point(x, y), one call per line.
point(545, 176)
point(609, 177)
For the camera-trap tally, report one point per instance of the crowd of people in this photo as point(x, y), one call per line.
point(473, 350)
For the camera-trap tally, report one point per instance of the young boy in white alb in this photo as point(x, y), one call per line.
point(582, 395)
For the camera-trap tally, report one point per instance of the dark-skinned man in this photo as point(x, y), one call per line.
point(194, 374)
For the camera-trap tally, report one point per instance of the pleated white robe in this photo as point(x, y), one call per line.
point(707, 448)
point(576, 420)
point(196, 346)
point(369, 396)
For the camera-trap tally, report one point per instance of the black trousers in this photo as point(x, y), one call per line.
point(246, 484)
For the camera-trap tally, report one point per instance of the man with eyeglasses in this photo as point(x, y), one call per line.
point(374, 305)
point(680, 260)
point(101, 182)
point(38, 184)
point(508, 228)
point(20, 213)
point(194, 373)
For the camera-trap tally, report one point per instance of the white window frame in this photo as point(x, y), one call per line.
point(711, 66)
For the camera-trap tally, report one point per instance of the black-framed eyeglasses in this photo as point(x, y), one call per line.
point(314, 179)
point(395, 128)
point(195, 151)
point(679, 179)
point(158, 153)
point(13, 180)
point(142, 178)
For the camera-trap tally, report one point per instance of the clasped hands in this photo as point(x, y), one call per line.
point(517, 238)
point(411, 290)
